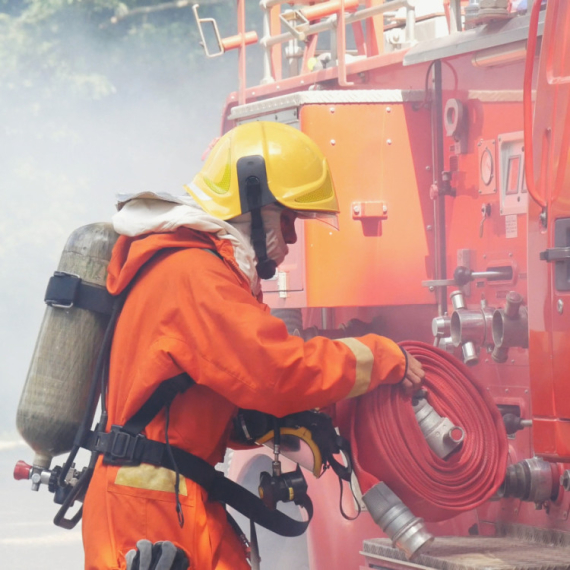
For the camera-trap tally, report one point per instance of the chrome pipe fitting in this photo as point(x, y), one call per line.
point(457, 300)
point(445, 344)
point(470, 326)
point(509, 326)
point(500, 354)
point(510, 332)
point(406, 531)
point(441, 434)
point(469, 329)
point(441, 327)
point(40, 477)
point(469, 351)
point(513, 304)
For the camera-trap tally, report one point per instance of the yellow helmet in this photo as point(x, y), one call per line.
point(286, 165)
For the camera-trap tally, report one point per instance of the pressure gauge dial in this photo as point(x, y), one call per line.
point(486, 167)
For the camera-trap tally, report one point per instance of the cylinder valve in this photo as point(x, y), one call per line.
point(22, 470)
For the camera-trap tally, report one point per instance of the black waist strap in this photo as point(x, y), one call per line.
point(125, 445)
point(227, 491)
point(121, 448)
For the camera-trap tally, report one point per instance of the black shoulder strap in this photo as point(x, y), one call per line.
point(157, 401)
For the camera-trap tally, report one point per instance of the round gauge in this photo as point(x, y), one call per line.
point(487, 167)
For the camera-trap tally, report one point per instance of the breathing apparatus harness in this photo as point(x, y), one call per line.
point(127, 446)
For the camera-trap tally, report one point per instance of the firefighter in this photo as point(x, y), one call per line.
point(192, 268)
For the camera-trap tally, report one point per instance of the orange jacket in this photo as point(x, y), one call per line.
point(190, 311)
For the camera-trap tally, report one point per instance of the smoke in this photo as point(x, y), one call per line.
point(65, 156)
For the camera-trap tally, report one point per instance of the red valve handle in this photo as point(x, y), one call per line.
point(22, 470)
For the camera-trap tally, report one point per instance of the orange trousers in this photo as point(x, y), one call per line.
point(119, 512)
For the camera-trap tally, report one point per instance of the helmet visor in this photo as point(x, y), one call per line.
point(329, 218)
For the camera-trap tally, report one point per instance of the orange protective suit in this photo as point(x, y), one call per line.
point(190, 311)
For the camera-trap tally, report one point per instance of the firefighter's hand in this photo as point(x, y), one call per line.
point(157, 556)
point(414, 374)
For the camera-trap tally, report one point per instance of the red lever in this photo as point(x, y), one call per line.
point(22, 470)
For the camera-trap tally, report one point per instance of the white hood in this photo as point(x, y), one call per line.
point(161, 212)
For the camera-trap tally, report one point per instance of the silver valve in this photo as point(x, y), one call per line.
point(441, 434)
point(36, 475)
point(48, 477)
point(22, 471)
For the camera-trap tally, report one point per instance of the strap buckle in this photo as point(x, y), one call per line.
point(62, 290)
point(123, 448)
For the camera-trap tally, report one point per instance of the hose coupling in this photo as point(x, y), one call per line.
point(441, 434)
point(407, 532)
point(533, 480)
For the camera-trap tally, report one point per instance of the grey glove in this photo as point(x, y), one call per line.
point(157, 556)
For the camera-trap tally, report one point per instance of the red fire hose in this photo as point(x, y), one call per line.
point(388, 444)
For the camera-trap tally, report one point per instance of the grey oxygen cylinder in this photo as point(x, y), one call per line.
point(54, 398)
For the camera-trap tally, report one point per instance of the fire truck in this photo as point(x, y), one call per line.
point(446, 125)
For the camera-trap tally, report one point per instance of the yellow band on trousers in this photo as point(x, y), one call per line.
point(146, 476)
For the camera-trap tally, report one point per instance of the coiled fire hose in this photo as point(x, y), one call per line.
point(388, 444)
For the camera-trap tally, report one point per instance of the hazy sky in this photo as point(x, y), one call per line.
point(61, 167)
point(54, 182)
point(60, 170)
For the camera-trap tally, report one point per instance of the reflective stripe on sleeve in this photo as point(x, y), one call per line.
point(149, 477)
point(364, 363)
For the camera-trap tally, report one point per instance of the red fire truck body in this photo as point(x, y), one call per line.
point(447, 129)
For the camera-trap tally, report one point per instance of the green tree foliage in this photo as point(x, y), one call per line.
point(88, 49)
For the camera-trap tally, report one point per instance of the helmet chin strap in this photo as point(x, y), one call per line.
point(265, 267)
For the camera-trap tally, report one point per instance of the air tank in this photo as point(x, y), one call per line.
point(54, 398)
